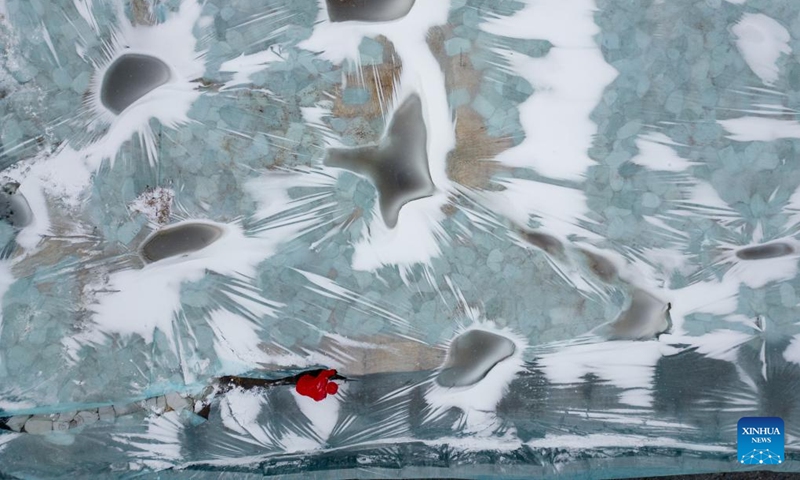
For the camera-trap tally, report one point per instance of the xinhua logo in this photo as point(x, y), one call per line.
point(760, 440)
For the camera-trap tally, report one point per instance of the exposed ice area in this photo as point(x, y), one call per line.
point(367, 10)
point(130, 77)
point(646, 317)
point(471, 356)
point(762, 252)
point(398, 166)
point(14, 208)
point(179, 240)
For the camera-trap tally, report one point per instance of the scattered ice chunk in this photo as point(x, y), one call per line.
point(86, 417)
point(17, 422)
point(127, 408)
point(176, 402)
point(38, 424)
point(106, 414)
point(66, 416)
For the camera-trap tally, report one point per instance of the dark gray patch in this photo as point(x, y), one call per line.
point(368, 10)
point(763, 252)
point(14, 208)
point(600, 266)
point(179, 240)
point(471, 356)
point(131, 77)
point(645, 318)
point(398, 167)
point(548, 243)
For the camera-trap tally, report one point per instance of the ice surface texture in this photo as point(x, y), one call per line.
point(179, 239)
point(398, 166)
point(14, 208)
point(534, 238)
point(129, 78)
point(471, 356)
point(367, 10)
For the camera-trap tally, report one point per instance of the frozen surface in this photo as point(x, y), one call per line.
point(471, 356)
point(367, 10)
point(179, 239)
point(430, 238)
point(398, 167)
point(129, 78)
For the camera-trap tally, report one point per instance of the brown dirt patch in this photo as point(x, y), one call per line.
point(378, 80)
point(471, 163)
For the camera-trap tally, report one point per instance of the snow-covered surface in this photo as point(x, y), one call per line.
point(748, 129)
point(657, 152)
point(762, 40)
point(568, 83)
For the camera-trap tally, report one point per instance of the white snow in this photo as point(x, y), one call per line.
point(628, 365)
point(568, 82)
point(236, 341)
point(244, 66)
point(323, 415)
point(748, 129)
point(174, 43)
point(60, 178)
point(160, 446)
point(558, 209)
point(140, 301)
point(155, 204)
point(719, 344)
point(792, 352)
point(761, 40)
point(656, 154)
point(240, 410)
point(415, 239)
point(598, 440)
point(479, 401)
